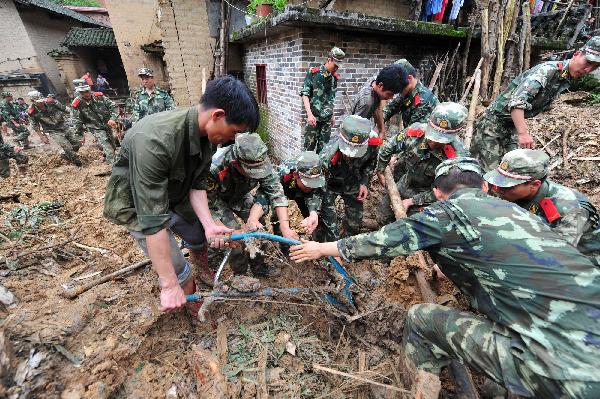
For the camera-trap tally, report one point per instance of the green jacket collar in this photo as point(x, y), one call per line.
point(468, 192)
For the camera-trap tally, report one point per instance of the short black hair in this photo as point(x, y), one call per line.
point(410, 70)
point(393, 77)
point(457, 178)
point(235, 98)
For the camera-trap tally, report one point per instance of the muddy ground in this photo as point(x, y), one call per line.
point(112, 341)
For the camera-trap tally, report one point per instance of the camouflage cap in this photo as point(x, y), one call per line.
point(6, 94)
point(337, 55)
point(591, 49)
point(462, 163)
point(250, 151)
point(445, 121)
point(52, 95)
point(35, 96)
point(309, 170)
point(407, 66)
point(354, 136)
point(145, 72)
point(80, 85)
point(518, 167)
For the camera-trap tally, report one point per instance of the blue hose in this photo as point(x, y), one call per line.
point(336, 265)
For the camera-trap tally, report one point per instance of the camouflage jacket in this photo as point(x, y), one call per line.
point(416, 162)
point(346, 175)
point(514, 269)
point(226, 186)
point(9, 111)
point(569, 213)
point(533, 90)
point(312, 199)
point(94, 114)
point(365, 102)
point(52, 117)
point(148, 104)
point(416, 107)
point(320, 86)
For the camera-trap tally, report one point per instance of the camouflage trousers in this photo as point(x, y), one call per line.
point(435, 334)
point(69, 144)
point(21, 134)
point(106, 140)
point(315, 137)
point(240, 259)
point(7, 152)
point(492, 138)
point(328, 220)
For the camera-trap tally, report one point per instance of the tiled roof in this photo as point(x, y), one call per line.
point(58, 9)
point(90, 37)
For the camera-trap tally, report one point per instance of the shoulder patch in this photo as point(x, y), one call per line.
point(375, 141)
point(30, 110)
point(336, 76)
point(76, 102)
point(560, 66)
point(549, 209)
point(336, 157)
point(417, 100)
point(288, 177)
point(413, 132)
point(98, 94)
point(314, 69)
point(223, 174)
point(49, 100)
point(449, 151)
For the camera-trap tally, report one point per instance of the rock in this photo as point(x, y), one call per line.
point(7, 298)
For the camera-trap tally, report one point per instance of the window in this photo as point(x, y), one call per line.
point(261, 83)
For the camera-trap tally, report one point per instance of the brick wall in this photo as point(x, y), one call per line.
point(15, 42)
point(378, 8)
point(289, 55)
point(46, 33)
point(20, 88)
point(70, 67)
point(135, 23)
point(187, 43)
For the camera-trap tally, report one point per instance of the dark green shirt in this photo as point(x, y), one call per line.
point(513, 268)
point(320, 87)
point(162, 158)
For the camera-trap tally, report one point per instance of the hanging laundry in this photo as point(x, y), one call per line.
point(440, 15)
point(538, 6)
point(456, 6)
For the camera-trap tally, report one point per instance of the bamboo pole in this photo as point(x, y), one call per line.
point(436, 74)
point(472, 110)
point(466, 93)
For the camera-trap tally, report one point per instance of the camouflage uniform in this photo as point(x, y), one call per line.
point(349, 160)
point(51, 117)
point(416, 106)
point(533, 91)
point(147, 104)
point(11, 114)
point(417, 161)
point(95, 114)
point(229, 191)
point(320, 87)
point(7, 152)
point(306, 168)
point(539, 295)
point(567, 211)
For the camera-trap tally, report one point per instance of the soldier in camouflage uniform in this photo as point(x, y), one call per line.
point(149, 99)
point(503, 127)
point(12, 116)
point(367, 102)
point(415, 102)
point(318, 96)
point(521, 178)
point(349, 160)
point(302, 180)
point(7, 152)
point(420, 149)
point(98, 114)
point(538, 299)
point(235, 171)
point(51, 116)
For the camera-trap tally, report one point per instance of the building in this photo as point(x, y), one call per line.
point(36, 28)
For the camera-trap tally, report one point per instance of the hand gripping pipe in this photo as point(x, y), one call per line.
point(336, 265)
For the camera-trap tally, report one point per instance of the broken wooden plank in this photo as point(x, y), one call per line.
point(318, 367)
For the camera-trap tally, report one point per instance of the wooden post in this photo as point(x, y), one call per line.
point(472, 110)
point(362, 367)
point(527, 41)
point(466, 92)
point(436, 74)
point(458, 369)
point(203, 80)
point(563, 19)
point(485, 46)
point(465, 59)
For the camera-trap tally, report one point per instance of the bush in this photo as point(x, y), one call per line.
point(278, 5)
point(78, 3)
point(586, 83)
point(263, 127)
